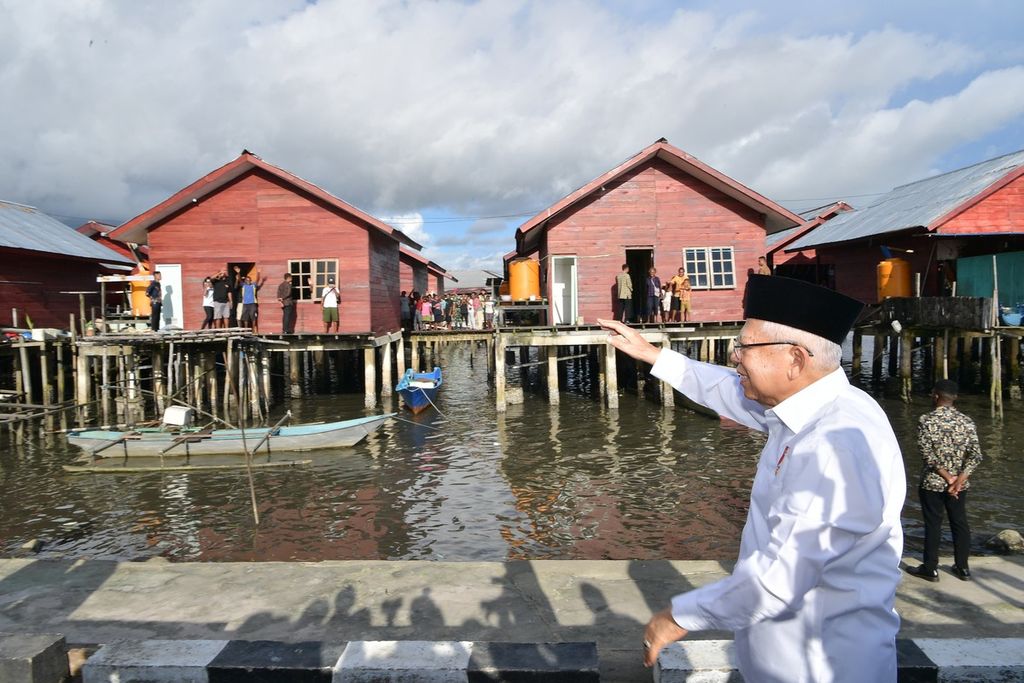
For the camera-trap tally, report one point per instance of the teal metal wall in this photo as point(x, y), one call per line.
point(974, 277)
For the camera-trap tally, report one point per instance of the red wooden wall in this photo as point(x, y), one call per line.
point(655, 205)
point(1000, 212)
point(856, 266)
point(413, 274)
point(32, 282)
point(260, 219)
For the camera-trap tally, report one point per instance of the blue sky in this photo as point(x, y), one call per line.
point(457, 121)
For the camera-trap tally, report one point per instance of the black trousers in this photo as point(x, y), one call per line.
point(154, 316)
point(288, 319)
point(932, 505)
point(625, 310)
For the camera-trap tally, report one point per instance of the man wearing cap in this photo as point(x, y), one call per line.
point(811, 596)
point(330, 299)
point(948, 442)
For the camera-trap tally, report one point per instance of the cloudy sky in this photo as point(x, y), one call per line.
point(457, 121)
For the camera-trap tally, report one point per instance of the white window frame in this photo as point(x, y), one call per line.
point(319, 270)
point(718, 263)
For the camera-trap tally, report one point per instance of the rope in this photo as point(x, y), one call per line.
point(431, 402)
point(418, 424)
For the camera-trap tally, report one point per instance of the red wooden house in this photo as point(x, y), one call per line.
point(661, 207)
point(40, 260)
point(413, 267)
point(946, 228)
point(270, 222)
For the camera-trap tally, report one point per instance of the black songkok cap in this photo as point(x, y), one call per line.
point(800, 304)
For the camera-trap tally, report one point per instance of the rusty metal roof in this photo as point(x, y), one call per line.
point(25, 227)
point(916, 205)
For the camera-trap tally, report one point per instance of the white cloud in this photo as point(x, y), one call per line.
point(411, 224)
point(487, 108)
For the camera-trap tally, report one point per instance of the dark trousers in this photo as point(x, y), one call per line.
point(154, 316)
point(288, 319)
point(625, 310)
point(932, 505)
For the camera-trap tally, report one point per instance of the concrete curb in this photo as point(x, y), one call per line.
point(33, 658)
point(919, 660)
point(221, 661)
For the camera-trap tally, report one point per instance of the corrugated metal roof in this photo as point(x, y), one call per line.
point(912, 206)
point(25, 227)
point(777, 237)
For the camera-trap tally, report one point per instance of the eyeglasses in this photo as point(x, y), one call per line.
point(739, 346)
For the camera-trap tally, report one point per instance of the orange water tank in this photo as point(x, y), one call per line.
point(524, 279)
point(893, 278)
point(140, 302)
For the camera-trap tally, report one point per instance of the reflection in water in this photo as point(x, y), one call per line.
point(538, 481)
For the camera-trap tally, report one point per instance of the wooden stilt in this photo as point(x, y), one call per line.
point(370, 377)
point(265, 371)
point(105, 381)
point(1013, 369)
point(385, 370)
point(131, 394)
point(939, 357)
point(44, 374)
point(158, 380)
point(552, 358)
point(414, 356)
point(82, 389)
point(499, 374)
point(61, 374)
point(611, 377)
point(400, 356)
point(877, 357)
point(906, 364)
point(855, 361)
point(212, 385)
point(294, 365)
point(668, 398)
point(997, 376)
point(26, 374)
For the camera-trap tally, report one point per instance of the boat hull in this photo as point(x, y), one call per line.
point(229, 441)
point(419, 389)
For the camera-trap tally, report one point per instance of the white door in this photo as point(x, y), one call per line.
point(172, 314)
point(563, 290)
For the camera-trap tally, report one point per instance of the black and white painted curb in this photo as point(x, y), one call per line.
point(919, 660)
point(222, 661)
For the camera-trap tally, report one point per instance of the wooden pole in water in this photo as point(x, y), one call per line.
point(211, 381)
point(294, 365)
point(81, 387)
point(414, 355)
point(611, 376)
point(61, 378)
point(1014, 367)
point(370, 377)
point(499, 373)
point(997, 376)
point(668, 399)
point(939, 362)
point(858, 351)
point(877, 354)
point(552, 358)
point(385, 370)
point(229, 377)
point(105, 382)
point(906, 364)
point(26, 373)
point(489, 343)
point(158, 379)
point(265, 368)
point(400, 355)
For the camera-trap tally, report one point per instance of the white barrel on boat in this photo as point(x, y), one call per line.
point(178, 415)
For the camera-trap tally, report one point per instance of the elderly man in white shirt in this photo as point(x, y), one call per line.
point(811, 596)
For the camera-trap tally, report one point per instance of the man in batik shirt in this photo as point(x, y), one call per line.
point(948, 442)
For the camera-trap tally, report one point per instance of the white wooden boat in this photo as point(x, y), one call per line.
point(103, 443)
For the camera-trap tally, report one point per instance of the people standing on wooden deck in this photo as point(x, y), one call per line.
point(250, 304)
point(417, 312)
point(811, 597)
point(488, 312)
point(156, 297)
point(666, 302)
point(207, 304)
point(652, 299)
point(221, 303)
point(762, 266)
point(680, 296)
point(426, 313)
point(624, 285)
point(287, 301)
point(948, 442)
point(330, 301)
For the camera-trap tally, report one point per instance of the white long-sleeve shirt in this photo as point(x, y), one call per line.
point(811, 597)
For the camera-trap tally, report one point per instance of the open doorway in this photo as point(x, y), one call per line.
point(639, 260)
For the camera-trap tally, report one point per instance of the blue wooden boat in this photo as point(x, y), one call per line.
point(419, 389)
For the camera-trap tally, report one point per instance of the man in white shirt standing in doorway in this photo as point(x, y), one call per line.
point(812, 595)
point(330, 300)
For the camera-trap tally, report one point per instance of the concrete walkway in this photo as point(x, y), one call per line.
point(608, 602)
